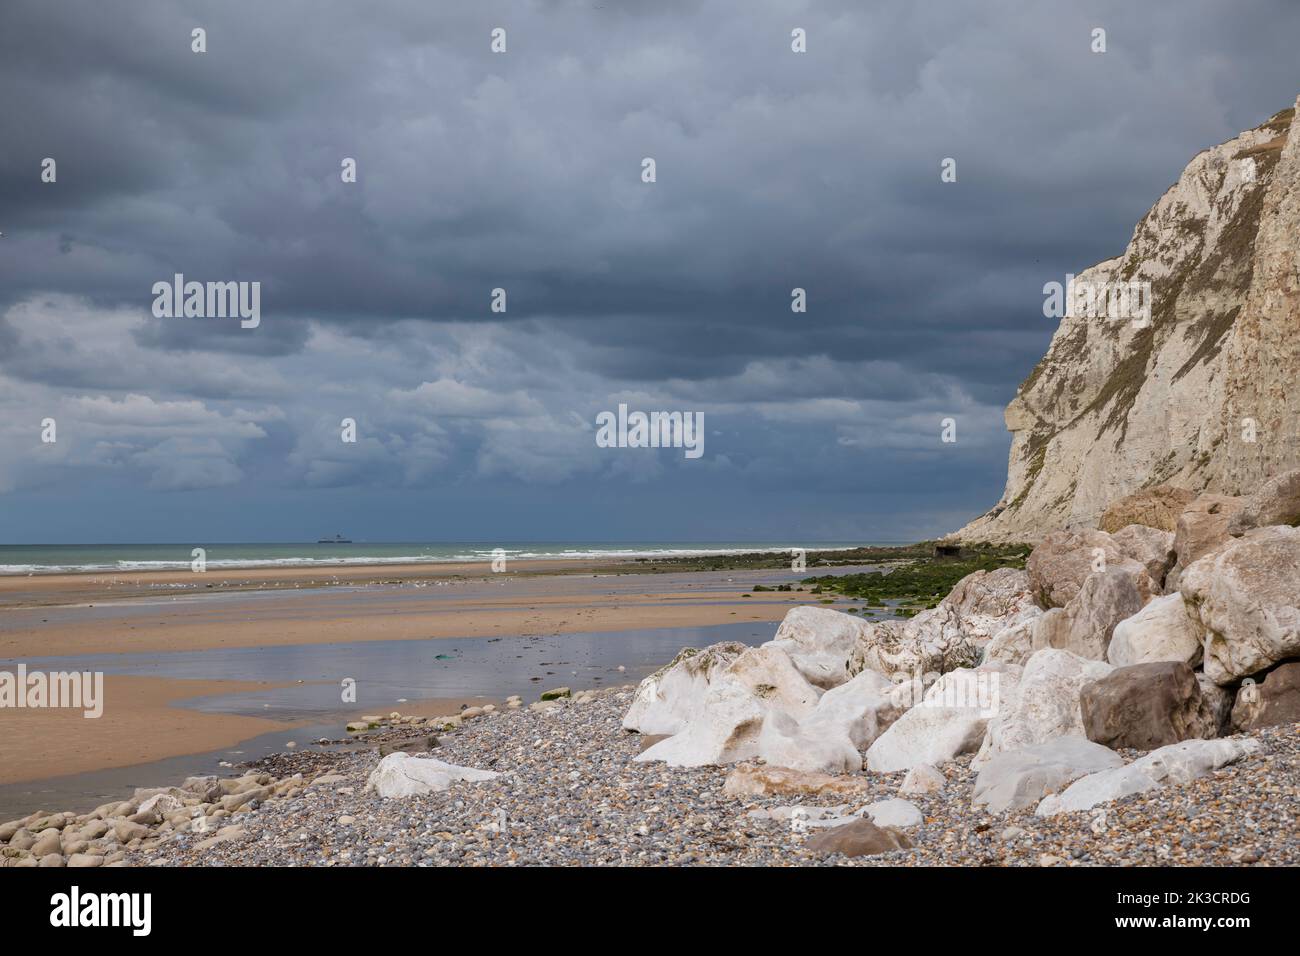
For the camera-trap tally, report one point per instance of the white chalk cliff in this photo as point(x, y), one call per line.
point(1117, 405)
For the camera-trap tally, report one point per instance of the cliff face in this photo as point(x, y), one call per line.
point(1200, 395)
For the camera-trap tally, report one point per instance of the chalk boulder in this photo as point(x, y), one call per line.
point(1014, 644)
point(1021, 778)
point(1087, 622)
point(1162, 630)
point(820, 642)
point(949, 721)
point(727, 727)
point(1178, 763)
point(402, 775)
point(1244, 599)
point(673, 695)
point(1043, 705)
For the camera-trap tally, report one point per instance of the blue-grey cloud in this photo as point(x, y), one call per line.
point(522, 171)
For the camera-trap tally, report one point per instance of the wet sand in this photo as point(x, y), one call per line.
point(141, 723)
point(468, 607)
point(165, 643)
point(19, 590)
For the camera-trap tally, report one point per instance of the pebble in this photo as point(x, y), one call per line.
point(571, 795)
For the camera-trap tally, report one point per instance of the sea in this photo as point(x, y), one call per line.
point(64, 558)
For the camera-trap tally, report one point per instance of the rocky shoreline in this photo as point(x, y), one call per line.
point(570, 793)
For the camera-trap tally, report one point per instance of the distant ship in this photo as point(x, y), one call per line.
point(337, 539)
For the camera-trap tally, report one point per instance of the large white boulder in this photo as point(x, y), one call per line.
point(845, 721)
point(772, 678)
point(1021, 778)
point(1106, 597)
point(403, 775)
point(727, 726)
point(988, 602)
point(784, 742)
point(949, 721)
point(933, 642)
point(862, 709)
point(1043, 704)
point(1014, 644)
point(1178, 763)
point(951, 635)
point(672, 696)
point(1160, 631)
point(820, 642)
point(1243, 597)
point(725, 730)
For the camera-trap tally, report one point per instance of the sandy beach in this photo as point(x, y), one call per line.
point(18, 590)
point(136, 617)
point(143, 724)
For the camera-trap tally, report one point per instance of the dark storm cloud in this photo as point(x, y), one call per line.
point(522, 171)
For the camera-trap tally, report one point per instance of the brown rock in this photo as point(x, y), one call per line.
point(233, 801)
point(126, 831)
point(1275, 502)
point(859, 838)
point(47, 842)
point(1155, 507)
point(1201, 528)
point(1146, 706)
point(206, 788)
point(1274, 701)
point(1149, 547)
point(747, 780)
point(1063, 560)
point(418, 745)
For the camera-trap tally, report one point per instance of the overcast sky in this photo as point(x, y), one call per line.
point(523, 170)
